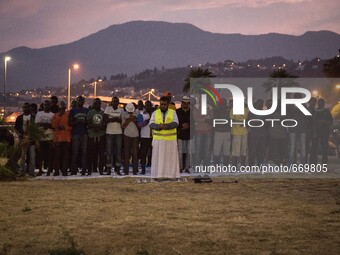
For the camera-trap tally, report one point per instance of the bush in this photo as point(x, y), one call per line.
point(13, 157)
point(3, 150)
point(6, 174)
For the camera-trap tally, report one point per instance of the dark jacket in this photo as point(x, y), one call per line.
point(296, 114)
point(19, 124)
point(323, 121)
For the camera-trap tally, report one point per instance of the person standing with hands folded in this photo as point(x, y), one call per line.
point(113, 119)
point(131, 135)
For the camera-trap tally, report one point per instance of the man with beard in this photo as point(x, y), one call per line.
point(164, 121)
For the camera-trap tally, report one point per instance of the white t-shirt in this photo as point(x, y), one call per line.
point(26, 120)
point(45, 117)
point(114, 128)
point(145, 131)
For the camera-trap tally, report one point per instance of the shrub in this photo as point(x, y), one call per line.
point(6, 174)
point(3, 149)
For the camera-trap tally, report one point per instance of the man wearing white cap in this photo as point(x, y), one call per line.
point(163, 122)
point(130, 138)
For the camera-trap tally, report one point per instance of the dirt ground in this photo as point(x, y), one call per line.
point(118, 216)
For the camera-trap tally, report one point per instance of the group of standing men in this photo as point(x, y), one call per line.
point(100, 140)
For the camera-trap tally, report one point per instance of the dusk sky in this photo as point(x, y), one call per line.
point(43, 23)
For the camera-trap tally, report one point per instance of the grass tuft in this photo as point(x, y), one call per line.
point(26, 209)
point(73, 250)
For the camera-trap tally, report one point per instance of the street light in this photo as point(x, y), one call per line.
point(150, 93)
point(75, 66)
point(7, 58)
point(95, 88)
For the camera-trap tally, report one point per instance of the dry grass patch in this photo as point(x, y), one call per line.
point(117, 216)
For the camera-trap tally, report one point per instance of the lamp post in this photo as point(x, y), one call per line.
point(7, 58)
point(337, 86)
point(75, 66)
point(150, 93)
point(95, 88)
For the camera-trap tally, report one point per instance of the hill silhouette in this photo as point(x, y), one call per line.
point(135, 46)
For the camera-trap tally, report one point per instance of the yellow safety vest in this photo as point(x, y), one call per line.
point(167, 135)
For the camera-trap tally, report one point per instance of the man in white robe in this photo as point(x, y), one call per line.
point(164, 123)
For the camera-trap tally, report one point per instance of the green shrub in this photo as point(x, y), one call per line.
point(3, 149)
point(6, 174)
point(14, 154)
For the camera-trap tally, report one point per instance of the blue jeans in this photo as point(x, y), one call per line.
point(202, 146)
point(31, 161)
point(184, 148)
point(113, 146)
point(293, 139)
point(79, 143)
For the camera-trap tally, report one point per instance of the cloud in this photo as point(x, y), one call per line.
point(21, 9)
point(178, 5)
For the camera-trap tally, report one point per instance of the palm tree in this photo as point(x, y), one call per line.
point(331, 68)
point(280, 78)
point(196, 73)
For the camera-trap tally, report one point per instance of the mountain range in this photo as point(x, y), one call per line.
point(137, 45)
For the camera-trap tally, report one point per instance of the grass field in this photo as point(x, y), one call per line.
point(118, 216)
